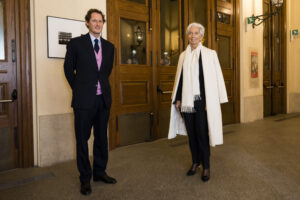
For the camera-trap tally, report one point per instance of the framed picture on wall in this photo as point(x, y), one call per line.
point(59, 33)
point(254, 64)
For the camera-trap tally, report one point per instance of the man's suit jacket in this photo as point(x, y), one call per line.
point(81, 71)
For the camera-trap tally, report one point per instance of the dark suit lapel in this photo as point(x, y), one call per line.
point(104, 53)
point(90, 49)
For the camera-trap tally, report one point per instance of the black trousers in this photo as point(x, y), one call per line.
point(197, 129)
point(84, 121)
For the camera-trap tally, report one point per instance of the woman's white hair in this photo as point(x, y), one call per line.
point(201, 28)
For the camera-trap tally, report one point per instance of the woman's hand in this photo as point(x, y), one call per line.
point(178, 105)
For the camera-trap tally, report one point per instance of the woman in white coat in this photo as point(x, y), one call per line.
point(198, 91)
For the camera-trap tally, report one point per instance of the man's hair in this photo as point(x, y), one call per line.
point(91, 11)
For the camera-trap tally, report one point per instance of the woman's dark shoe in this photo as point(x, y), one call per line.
point(205, 175)
point(192, 171)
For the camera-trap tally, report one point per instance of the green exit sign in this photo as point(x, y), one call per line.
point(295, 32)
point(250, 20)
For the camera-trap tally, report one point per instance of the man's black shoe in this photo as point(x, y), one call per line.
point(85, 188)
point(105, 178)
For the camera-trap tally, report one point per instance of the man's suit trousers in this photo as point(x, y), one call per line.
point(85, 119)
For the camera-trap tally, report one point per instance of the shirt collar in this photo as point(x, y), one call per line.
point(93, 39)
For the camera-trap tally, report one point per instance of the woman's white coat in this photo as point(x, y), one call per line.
point(215, 92)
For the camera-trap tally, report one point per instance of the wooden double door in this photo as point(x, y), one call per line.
point(274, 82)
point(149, 37)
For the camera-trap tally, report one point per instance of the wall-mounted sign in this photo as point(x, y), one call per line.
point(250, 20)
point(295, 32)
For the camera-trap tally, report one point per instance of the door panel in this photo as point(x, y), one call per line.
point(273, 63)
point(277, 69)
point(225, 44)
point(131, 124)
point(132, 93)
point(8, 107)
point(169, 48)
point(198, 12)
point(169, 32)
point(267, 82)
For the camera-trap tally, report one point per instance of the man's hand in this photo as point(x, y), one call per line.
point(178, 105)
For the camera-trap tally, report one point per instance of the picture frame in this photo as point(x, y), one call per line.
point(254, 64)
point(59, 33)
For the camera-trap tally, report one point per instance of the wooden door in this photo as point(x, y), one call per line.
point(142, 88)
point(274, 68)
point(8, 94)
point(132, 109)
point(267, 56)
point(169, 45)
point(225, 43)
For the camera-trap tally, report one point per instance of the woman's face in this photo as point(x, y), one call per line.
point(194, 36)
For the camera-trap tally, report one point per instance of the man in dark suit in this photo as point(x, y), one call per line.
point(88, 64)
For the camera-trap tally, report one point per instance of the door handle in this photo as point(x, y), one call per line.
point(279, 86)
point(163, 92)
point(268, 86)
point(14, 96)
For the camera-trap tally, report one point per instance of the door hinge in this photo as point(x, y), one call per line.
point(16, 138)
point(13, 50)
point(116, 56)
point(117, 124)
point(151, 57)
point(151, 125)
point(150, 15)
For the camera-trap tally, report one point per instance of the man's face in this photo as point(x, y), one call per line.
point(95, 24)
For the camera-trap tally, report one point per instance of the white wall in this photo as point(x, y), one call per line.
point(293, 58)
point(51, 93)
point(250, 40)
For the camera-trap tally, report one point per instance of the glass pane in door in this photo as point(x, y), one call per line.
point(169, 32)
point(133, 42)
point(2, 46)
point(277, 44)
point(199, 15)
point(266, 25)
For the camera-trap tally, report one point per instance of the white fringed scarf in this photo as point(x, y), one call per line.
point(191, 84)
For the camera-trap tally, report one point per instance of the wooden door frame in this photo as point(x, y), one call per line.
point(236, 62)
point(24, 84)
point(284, 55)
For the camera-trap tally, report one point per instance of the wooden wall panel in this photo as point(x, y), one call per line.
point(133, 93)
